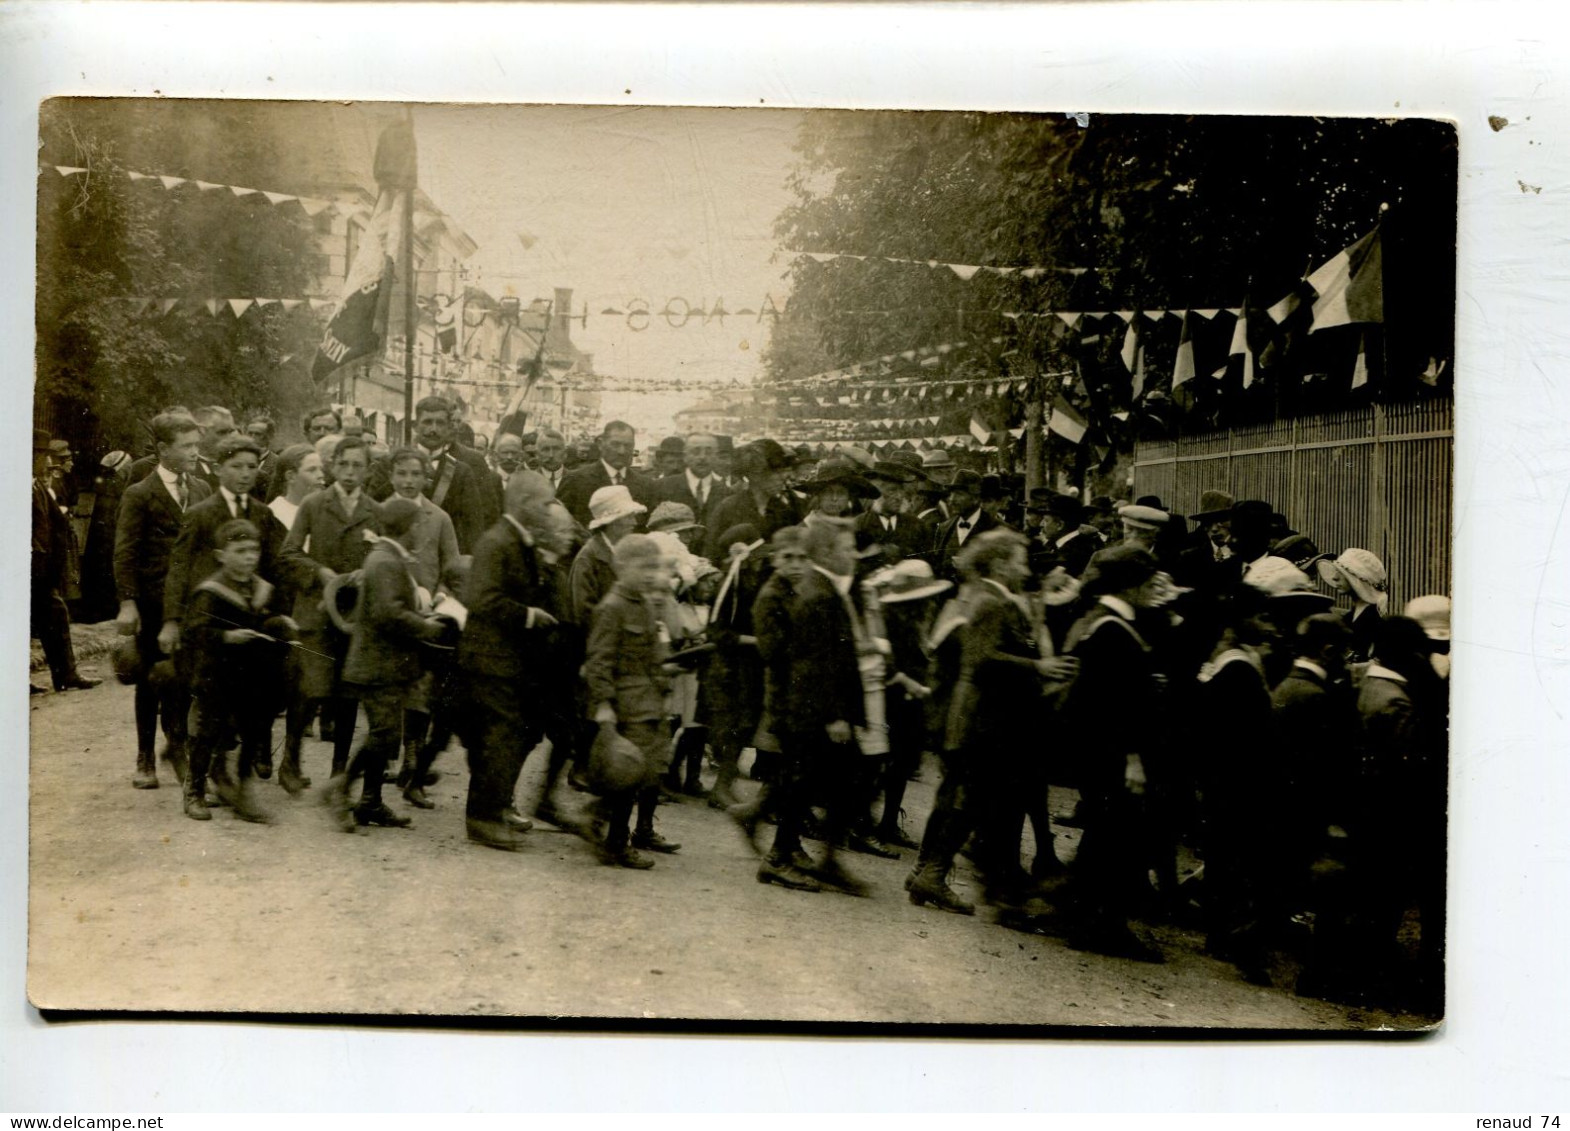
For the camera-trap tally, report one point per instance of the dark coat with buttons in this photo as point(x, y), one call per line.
point(625, 654)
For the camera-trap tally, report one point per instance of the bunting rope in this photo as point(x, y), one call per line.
point(311, 204)
point(965, 271)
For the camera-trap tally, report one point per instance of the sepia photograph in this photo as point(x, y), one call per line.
point(791, 567)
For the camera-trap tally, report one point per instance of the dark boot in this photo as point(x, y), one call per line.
point(194, 796)
point(929, 885)
point(174, 754)
point(146, 771)
point(289, 775)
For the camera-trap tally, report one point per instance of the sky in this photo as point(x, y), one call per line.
point(674, 206)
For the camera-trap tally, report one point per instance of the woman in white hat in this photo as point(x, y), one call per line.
point(1361, 574)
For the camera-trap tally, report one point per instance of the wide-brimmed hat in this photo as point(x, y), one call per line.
point(1299, 549)
point(892, 472)
point(126, 659)
point(1360, 571)
point(911, 461)
point(1044, 500)
point(339, 598)
point(861, 457)
point(966, 480)
point(763, 455)
point(1213, 506)
point(992, 487)
point(1250, 516)
point(673, 517)
point(909, 580)
point(610, 503)
point(936, 459)
point(1433, 613)
point(1144, 517)
point(1276, 577)
point(839, 475)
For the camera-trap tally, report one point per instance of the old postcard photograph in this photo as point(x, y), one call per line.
point(661, 563)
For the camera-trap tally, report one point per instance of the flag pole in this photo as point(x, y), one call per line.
point(408, 299)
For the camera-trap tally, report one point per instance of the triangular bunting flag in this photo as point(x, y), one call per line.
point(239, 305)
point(1207, 312)
point(1070, 318)
point(278, 197)
point(290, 303)
point(931, 362)
point(265, 301)
point(1032, 272)
point(320, 303)
point(240, 190)
point(166, 305)
point(1360, 367)
point(212, 306)
point(139, 176)
point(138, 305)
point(965, 272)
point(313, 206)
point(1126, 315)
point(1017, 432)
point(909, 355)
point(1002, 270)
point(1154, 315)
point(68, 170)
point(170, 182)
point(207, 186)
point(1240, 347)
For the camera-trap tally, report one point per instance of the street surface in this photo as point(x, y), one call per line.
point(134, 906)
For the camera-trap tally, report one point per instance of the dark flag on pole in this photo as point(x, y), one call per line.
point(359, 325)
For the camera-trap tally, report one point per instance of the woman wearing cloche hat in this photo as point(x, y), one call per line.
point(1363, 575)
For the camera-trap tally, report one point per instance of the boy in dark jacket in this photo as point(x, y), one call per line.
point(627, 683)
point(236, 641)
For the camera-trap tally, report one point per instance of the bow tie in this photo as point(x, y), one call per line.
point(964, 524)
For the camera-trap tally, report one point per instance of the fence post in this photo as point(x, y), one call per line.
point(1376, 475)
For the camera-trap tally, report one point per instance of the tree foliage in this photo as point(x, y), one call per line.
point(1160, 212)
point(103, 367)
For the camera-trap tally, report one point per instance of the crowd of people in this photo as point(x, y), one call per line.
point(1257, 744)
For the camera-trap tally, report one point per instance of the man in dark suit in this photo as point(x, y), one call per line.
point(462, 483)
point(514, 649)
point(824, 703)
point(618, 442)
point(51, 620)
point(695, 485)
point(891, 521)
point(762, 502)
point(152, 514)
point(261, 427)
point(970, 518)
point(1061, 540)
point(217, 425)
point(550, 449)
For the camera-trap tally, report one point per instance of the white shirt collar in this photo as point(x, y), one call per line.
point(349, 501)
point(171, 479)
point(230, 498)
point(1310, 666)
point(1119, 606)
point(694, 480)
point(1067, 538)
point(841, 584)
point(436, 453)
point(612, 472)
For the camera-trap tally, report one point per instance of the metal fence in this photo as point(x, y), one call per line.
point(1380, 477)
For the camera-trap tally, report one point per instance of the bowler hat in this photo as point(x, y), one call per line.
point(1250, 516)
point(992, 487)
point(937, 458)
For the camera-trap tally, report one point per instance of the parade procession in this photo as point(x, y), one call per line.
point(1054, 564)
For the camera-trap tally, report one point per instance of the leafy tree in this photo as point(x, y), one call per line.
point(1136, 213)
point(104, 366)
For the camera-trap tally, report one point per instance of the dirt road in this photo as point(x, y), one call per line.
point(134, 906)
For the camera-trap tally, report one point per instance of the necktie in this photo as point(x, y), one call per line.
point(185, 495)
point(703, 493)
point(616, 479)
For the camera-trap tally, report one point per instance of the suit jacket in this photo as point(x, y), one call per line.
point(253, 669)
point(1115, 671)
point(1073, 555)
point(622, 666)
point(385, 647)
point(149, 525)
point(579, 485)
point(946, 543)
point(509, 577)
point(997, 679)
point(471, 497)
point(337, 542)
point(193, 558)
point(675, 489)
point(1315, 738)
point(738, 509)
point(593, 574)
point(51, 540)
point(911, 537)
point(825, 678)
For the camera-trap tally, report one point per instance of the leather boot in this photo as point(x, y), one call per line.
point(146, 771)
point(174, 754)
point(194, 795)
point(929, 884)
point(411, 759)
point(289, 775)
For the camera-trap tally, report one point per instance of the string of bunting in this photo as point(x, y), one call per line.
point(311, 204)
point(965, 271)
